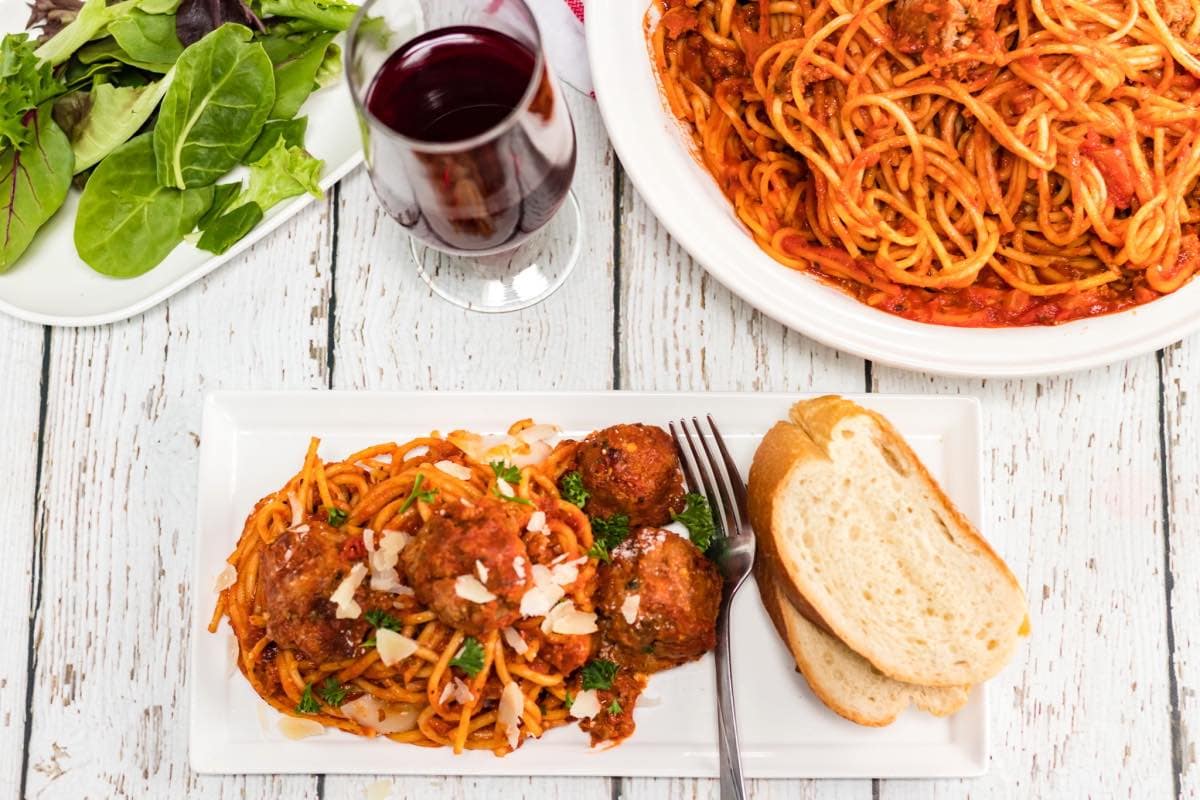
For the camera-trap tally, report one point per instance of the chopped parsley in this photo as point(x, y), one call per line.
point(308, 704)
point(568, 699)
point(337, 517)
point(382, 619)
point(614, 707)
point(469, 657)
point(332, 692)
point(505, 471)
point(425, 496)
point(607, 534)
point(697, 516)
point(572, 489)
point(599, 674)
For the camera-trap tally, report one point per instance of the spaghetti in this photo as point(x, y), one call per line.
point(960, 162)
point(332, 515)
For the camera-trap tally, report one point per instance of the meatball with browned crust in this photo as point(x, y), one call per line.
point(297, 573)
point(658, 601)
point(634, 470)
point(452, 544)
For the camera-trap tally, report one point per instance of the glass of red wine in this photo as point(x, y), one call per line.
point(469, 145)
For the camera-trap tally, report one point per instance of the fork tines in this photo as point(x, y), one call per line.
point(716, 478)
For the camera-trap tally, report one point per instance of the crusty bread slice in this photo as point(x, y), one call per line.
point(864, 536)
point(841, 678)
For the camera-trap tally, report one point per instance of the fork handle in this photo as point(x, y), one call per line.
point(729, 752)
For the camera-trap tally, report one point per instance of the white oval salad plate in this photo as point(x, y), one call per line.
point(656, 152)
point(51, 285)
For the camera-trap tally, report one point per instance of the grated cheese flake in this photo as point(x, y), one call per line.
point(512, 706)
point(519, 567)
point(586, 705)
point(481, 571)
point(629, 609)
point(468, 587)
point(566, 619)
point(454, 470)
point(537, 522)
point(225, 578)
point(504, 488)
point(514, 640)
point(393, 647)
point(343, 596)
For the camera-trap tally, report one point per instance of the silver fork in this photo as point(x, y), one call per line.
point(718, 480)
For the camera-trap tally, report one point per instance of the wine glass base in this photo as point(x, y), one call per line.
point(508, 281)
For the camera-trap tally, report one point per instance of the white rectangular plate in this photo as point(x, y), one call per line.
point(252, 443)
point(51, 285)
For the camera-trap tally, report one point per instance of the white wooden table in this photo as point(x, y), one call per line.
point(1094, 498)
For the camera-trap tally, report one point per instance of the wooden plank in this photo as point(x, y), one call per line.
point(20, 397)
point(1181, 415)
point(393, 333)
point(118, 516)
point(683, 331)
point(1073, 499)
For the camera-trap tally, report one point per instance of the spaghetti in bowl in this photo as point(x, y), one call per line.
point(468, 591)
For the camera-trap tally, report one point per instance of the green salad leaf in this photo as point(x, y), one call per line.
point(105, 51)
point(127, 223)
point(147, 37)
point(223, 196)
point(111, 115)
point(330, 15)
point(25, 83)
point(282, 173)
point(223, 90)
point(93, 17)
point(331, 66)
point(296, 60)
point(228, 229)
point(34, 181)
point(291, 131)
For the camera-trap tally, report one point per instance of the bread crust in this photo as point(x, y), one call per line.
point(806, 437)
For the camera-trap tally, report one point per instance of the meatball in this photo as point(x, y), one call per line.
point(634, 470)
point(451, 544)
point(677, 591)
point(297, 573)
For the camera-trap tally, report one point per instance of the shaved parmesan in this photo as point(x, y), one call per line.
point(512, 706)
point(566, 573)
point(380, 790)
point(299, 529)
point(380, 717)
point(225, 578)
point(539, 600)
point(515, 641)
point(297, 511)
point(404, 591)
point(457, 691)
point(416, 452)
point(294, 728)
point(565, 618)
point(481, 571)
point(629, 609)
point(393, 647)
point(468, 587)
point(537, 522)
point(384, 577)
point(519, 567)
point(369, 540)
point(343, 596)
point(538, 433)
point(586, 705)
point(454, 470)
point(504, 488)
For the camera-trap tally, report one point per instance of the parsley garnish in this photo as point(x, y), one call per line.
point(332, 692)
point(337, 517)
point(599, 674)
point(506, 471)
point(425, 496)
point(607, 534)
point(469, 657)
point(568, 699)
point(697, 516)
point(572, 489)
point(308, 704)
point(614, 707)
point(382, 619)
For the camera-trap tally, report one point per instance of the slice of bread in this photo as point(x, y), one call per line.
point(864, 538)
point(842, 679)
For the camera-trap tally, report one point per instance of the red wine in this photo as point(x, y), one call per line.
point(453, 85)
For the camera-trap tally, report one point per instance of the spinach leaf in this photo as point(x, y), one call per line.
point(330, 15)
point(127, 223)
point(107, 50)
point(215, 109)
point(147, 37)
point(296, 60)
point(291, 131)
point(196, 19)
point(110, 116)
point(226, 230)
point(34, 180)
point(223, 196)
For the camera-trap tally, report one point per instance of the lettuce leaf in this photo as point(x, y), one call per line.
point(111, 115)
point(329, 15)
